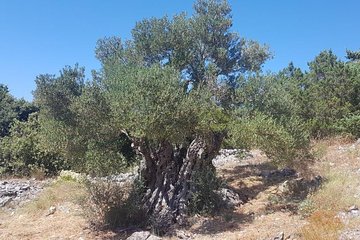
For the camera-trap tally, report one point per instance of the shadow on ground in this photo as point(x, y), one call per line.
point(249, 181)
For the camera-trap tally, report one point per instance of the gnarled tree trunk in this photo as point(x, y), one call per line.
point(168, 171)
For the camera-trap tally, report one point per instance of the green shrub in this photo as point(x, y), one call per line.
point(349, 124)
point(21, 153)
point(283, 141)
point(307, 207)
point(205, 200)
point(102, 162)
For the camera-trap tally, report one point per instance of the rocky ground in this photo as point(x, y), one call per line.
point(15, 192)
point(264, 200)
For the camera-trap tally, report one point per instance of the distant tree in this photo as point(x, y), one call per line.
point(353, 56)
point(330, 93)
point(55, 94)
point(22, 151)
point(12, 109)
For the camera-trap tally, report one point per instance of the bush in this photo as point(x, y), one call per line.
point(103, 162)
point(286, 142)
point(307, 207)
point(204, 199)
point(349, 124)
point(21, 152)
point(113, 205)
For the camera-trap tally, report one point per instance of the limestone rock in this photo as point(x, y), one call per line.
point(18, 191)
point(280, 236)
point(51, 210)
point(300, 187)
point(230, 197)
point(143, 235)
point(153, 237)
point(4, 201)
point(350, 235)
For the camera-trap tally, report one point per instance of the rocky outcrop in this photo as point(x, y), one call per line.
point(230, 156)
point(300, 187)
point(16, 191)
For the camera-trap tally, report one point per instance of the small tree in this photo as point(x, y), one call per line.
point(12, 109)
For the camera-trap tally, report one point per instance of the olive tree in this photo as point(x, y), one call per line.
point(169, 89)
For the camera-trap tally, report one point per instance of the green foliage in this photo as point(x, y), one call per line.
point(353, 55)
point(270, 94)
point(103, 161)
point(307, 207)
point(349, 124)
point(22, 153)
point(55, 94)
point(284, 142)
point(76, 121)
point(205, 199)
point(318, 99)
point(149, 102)
point(12, 109)
point(331, 92)
point(192, 46)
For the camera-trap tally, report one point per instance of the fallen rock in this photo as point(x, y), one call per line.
point(350, 213)
point(230, 156)
point(139, 235)
point(4, 201)
point(230, 197)
point(181, 234)
point(143, 235)
point(299, 187)
point(153, 237)
point(280, 236)
point(276, 175)
point(51, 210)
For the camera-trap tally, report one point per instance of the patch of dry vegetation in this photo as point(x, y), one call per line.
point(338, 160)
point(58, 192)
point(323, 225)
point(32, 221)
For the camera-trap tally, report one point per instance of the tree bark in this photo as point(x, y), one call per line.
point(167, 173)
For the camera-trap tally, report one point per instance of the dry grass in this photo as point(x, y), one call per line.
point(338, 193)
point(58, 192)
point(339, 166)
point(338, 161)
point(323, 225)
point(32, 222)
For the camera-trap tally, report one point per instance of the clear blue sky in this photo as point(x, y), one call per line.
point(42, 36)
